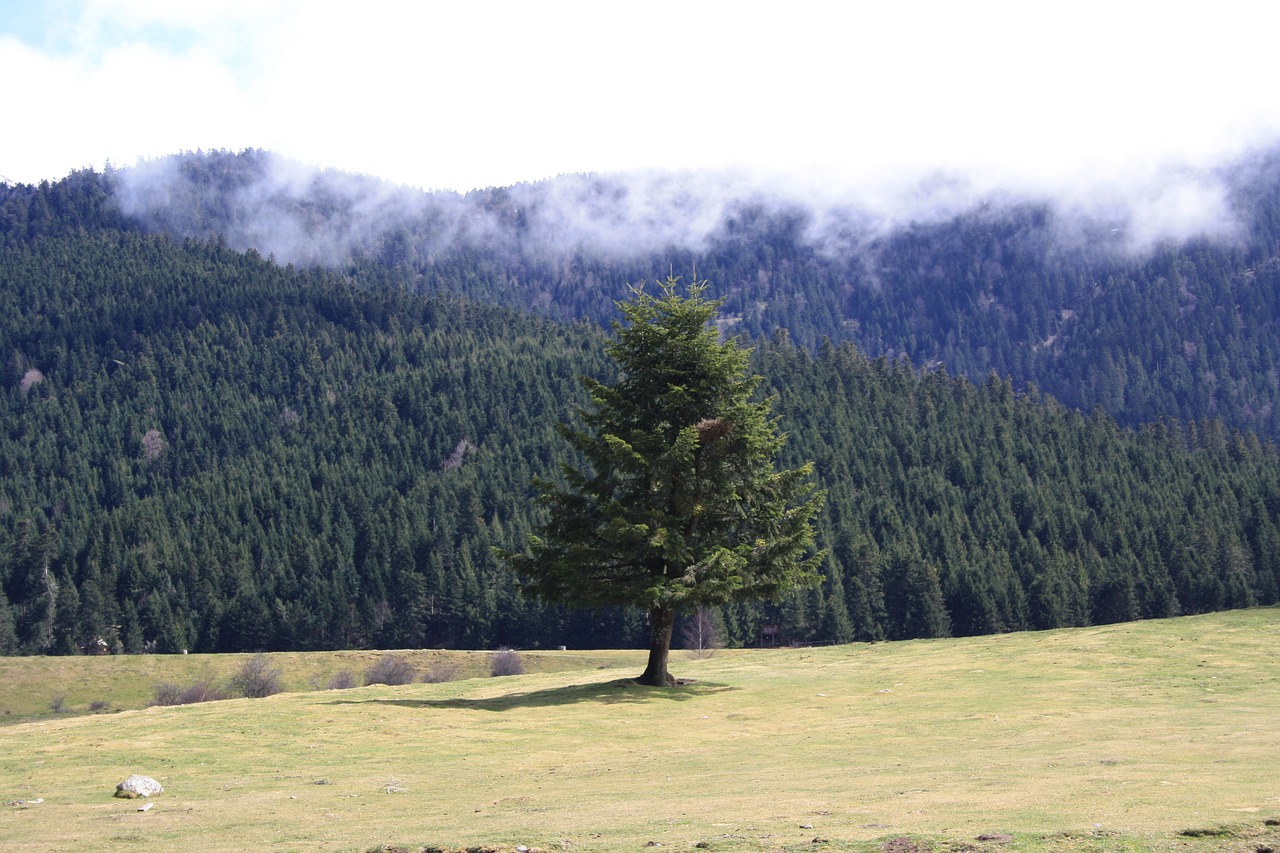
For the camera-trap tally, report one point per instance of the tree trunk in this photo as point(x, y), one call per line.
point(661, 621)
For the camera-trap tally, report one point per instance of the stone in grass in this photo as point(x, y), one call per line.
point(138, 786)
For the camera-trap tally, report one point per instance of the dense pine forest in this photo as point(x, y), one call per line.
point(1085, 303)
point(209, 448)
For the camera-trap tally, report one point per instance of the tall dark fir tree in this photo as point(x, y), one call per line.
point(678, 505)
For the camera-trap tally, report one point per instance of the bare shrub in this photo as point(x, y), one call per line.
point(390, 669)
point(257, 678)
point(98, 705)
point(153, 445)
point(344, 680)
point(454, 460)
point(29, 380)
point(58, 704)
point(166, 693)
point(203, 690)
point(440, 672)
point(701, 633)
point(506, 662)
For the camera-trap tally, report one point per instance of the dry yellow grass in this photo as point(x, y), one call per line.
point(1111, 738)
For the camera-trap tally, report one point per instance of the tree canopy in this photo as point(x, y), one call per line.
point(678, 504)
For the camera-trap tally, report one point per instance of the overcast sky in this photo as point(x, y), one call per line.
point(469, 94)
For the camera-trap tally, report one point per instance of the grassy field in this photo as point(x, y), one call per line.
point(1155, 736)
point(30, 686)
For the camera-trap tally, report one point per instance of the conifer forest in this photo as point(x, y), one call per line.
point(241, 415)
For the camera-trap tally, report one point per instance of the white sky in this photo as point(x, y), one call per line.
point(463, 94)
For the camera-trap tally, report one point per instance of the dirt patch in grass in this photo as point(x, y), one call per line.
point(903, 844)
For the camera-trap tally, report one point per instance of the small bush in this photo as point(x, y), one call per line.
point(506, 662)
point(344, 680)
point(203, 690)
point(440, 672)
point(257, 678)
point(166, 693)
point(98, 705)
point(58, 704)
point(391, 669)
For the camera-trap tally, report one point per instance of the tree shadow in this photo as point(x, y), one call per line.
point(619, 691)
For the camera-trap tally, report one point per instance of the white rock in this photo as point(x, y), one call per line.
point(138, 786)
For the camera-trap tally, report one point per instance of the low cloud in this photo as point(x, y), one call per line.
point(306, 215)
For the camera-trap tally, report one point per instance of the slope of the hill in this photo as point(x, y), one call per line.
point(1078, 301)
point(202, 449)
point(972, 509)
point(1143, 737)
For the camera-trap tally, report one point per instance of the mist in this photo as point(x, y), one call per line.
point(305, 215)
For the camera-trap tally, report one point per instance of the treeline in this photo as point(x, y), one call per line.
point(201, 449)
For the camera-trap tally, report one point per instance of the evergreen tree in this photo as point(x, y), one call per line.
point(914, 597)
point(678, 505)
point(8, 637)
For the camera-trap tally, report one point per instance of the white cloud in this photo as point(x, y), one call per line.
point(867, 95)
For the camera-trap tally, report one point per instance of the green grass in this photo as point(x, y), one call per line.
point(28, 685)
point(1154, 736)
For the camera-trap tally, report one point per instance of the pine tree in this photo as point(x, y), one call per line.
point(678, 505)
point(913, 595)
point(8, 637)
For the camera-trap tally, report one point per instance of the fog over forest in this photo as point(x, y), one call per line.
point(304, 215)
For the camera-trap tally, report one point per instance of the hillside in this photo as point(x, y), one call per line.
point(1167, 311)
point(1147, 737)
point(202, 449)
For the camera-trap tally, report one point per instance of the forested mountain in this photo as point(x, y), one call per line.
point(970, 509)
point(204, 449)
point(1089, 304)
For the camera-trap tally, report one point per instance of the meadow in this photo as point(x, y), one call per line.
point(1150, 736)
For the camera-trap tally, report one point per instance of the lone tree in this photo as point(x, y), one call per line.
point(679, 505)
